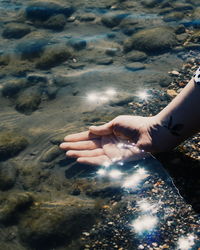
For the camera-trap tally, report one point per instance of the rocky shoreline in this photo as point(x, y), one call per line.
point(52, 55)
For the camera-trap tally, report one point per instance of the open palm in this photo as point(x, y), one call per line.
point(94, 149)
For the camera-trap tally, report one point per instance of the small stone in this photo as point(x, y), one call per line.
point(36, 78)
point(174, 73)
point(135, 66)
point(172, 92)
point(8, 175)
point(111, 20)
point(136, 56)
point(12, 87)
point(87, 17)
point(112, 51)
point(105, 61)
point(51, 154)
point(56, 22)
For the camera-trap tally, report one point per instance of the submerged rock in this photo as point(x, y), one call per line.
point(112, 19)
point(154, 40)
point(77, 43)
point(44, 10)
point(56, 22)
point(173, 16)
point(51, 224)
point(87, 17)
point(15, 30)
point(51, 154)
point(28, 101)
point(12, 87)
point(53, 56)
point(135, 66)
point(31, 48)
point(4, 60)
point(11, 144)
point(136, 56)
point(13, 205)
point(8, 175)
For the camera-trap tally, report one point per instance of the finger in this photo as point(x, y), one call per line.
point(85, 153)
point(99, 160)
point(81, 145)
point(105, 129)
point(82, 136)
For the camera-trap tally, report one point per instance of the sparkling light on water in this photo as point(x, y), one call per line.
point(115, 174)
point(110, 92)
point(143, 95)
point(144, 223)
point(186, 243)
point(92, 97)
point(133, 180)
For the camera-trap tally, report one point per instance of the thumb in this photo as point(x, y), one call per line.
point(105, 129)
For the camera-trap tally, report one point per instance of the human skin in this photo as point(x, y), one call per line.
point(179, 120)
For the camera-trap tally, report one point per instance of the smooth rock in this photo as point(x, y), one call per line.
point(8, 175)
point(53, 56)
point(154, 40)
point(165, 81)
point(11, 144)
point(77, 43)
point(135, 66)
point(174, 16)
point(104, 61)
point(36, 78)
point(15, 30)
point(12, 87)
point(44, 10)
point(51, 154)
point(56, 22)
point(28, 101)
point(136, 56)
point(112, 19)
point(51, 224)
point(87, 17)
point(31, 48)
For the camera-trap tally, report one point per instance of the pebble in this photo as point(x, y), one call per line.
point(135, 66)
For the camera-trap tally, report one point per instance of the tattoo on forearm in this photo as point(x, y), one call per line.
point(173, 128)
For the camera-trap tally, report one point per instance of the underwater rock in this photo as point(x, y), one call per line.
point(112, 51)
point(28, 101)
point(51, 224)
point(63, 80)
point(180, 29)
point(165, 81)
point(51, 92)
point(136, 56)
point(173, 16)
point(51, 154)
point(4, 60)
point(77, 43)
point(53, 56)
point(135, 66)
point(15, 30)
point(11, 144)
point(129, 25)
point(31, 48)
point(8, 175)
point(111, 20)
point(44, 10)
point(56, 22)
point(13, 205)
point(154, 40)
point(150, 3)
point(36, 78)
point(87, 17)
point(182, 6)
point(104, 61)
point(12, 87)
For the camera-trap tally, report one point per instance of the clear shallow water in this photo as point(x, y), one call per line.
point(44, 103)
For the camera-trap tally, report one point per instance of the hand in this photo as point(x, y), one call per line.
point(123, 138)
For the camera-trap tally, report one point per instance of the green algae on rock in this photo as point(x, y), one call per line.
point(11, 144)
point(15, 30)
point(53, 56)
point(28, 101)
point(153, 40)
point(50, 224)
point(13, 205)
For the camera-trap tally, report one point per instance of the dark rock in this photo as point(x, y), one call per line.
point(56, 22)
point(14, 205)
point(8, 175)
point(76, 65)
point(136, 56)
point(12, 87)
point(150, 3)
point(174, 16)
point(182, 6)
point(87, 17)
point(112, 51)
point(11, 144)
point(135, 66)
point(53, 56)
point(4, 60)
point(28, 101)
point(31, 48)
point(51, 154)
point(51, 92)
point(129, 25)
point(182, 37)
point(77, 43)
point(112, 19)
point(180, 29)
point(62, 80)
point(154, 40)
point(36, 78)
point(44, 10)
point(15, 30)
point(54, 223)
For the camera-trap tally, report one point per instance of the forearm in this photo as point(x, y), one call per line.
point(182, 116)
